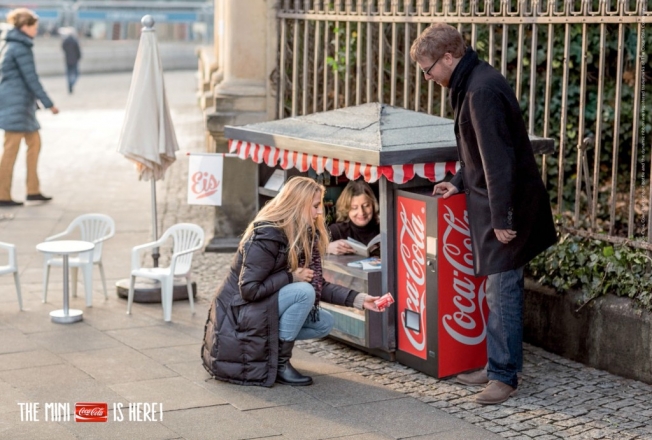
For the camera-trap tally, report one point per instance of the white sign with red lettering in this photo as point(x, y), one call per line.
point(205, 179)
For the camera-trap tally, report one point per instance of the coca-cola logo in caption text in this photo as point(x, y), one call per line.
point(91, 412)
point(411, 239)
point(461, 325)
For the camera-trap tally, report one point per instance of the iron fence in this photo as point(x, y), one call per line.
point(578, 68)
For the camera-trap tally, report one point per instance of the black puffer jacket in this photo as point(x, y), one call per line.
point(241, 333)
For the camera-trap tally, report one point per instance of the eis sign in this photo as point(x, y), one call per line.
point(442, 307)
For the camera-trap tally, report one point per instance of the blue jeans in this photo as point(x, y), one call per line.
point(295, 301)
point(505, 326)
point(72, 73)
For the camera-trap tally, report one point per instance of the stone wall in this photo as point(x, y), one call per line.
point(607, 333)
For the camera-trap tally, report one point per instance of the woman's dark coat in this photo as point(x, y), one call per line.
point(498, 171)
point(344, 230)
point(241, 333)
point(19, 83)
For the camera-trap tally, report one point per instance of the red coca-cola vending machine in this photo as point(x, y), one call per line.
point(441, 306)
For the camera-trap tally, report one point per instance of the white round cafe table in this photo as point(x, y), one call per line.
point(65, 248)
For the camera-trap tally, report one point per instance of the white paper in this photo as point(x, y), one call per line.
point(276, 181)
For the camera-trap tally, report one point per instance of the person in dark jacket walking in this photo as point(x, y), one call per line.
point(72, 52)
point(20, 88)
point(357, 217)
point(508, 206)
point(270, 298)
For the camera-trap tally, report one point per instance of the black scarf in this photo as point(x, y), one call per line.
point(457, 83)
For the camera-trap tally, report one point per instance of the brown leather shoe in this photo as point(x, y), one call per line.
point(478, 377)
point(496, 392)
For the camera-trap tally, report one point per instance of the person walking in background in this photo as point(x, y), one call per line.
point(508, 206)
point(270, 298)
point(20, 89)
point(70, 46)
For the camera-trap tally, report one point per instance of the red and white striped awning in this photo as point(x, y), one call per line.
point(336, 167)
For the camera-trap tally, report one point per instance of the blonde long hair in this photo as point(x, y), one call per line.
point(290, 212)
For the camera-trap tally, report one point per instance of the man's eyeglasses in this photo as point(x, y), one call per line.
point(427, 72)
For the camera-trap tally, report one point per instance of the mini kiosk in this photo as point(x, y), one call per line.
point(437, 323)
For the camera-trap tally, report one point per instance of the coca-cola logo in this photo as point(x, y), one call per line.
point(461, 325)
point(91, 412)
point(412, 250)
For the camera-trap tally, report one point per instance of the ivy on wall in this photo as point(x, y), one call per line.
point(595, 268)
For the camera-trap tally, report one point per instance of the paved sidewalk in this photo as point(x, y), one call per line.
point(115, 358)
point(120, 360)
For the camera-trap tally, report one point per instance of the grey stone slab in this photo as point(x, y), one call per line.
point(349, 389)
point(151, 337)
point(314, 420)
point(182, 318)
point(11, 396)
point(193, 371)
point(27, 379)
point(13, 341)
point(11, 427)
point(83, 390)
point(467, 433)
point(73, 338)
point(172, 355)
point(36, 358)
point(366, 436)
point(193, 326)
point(8, 289)
point(174, 393)
point(248, 398)
point(407, 417)
point(35, 317)
point(112, 315)
point(118, 365)
point(312, 365)
point(125, 429)
point(222, 421)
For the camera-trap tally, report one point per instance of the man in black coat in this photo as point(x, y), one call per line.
point(508, 206)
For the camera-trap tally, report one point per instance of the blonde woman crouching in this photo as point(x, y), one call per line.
point(270, 298)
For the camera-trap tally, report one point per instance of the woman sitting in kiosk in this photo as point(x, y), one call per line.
point(356, 217)
point(270, 298)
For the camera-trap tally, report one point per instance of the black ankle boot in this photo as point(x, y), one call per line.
point(286, 373)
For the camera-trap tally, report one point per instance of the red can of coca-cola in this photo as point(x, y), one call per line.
point(384, 301)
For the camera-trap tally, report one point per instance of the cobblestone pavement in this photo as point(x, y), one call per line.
point(558, 398)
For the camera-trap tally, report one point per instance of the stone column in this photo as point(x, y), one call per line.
point(245, 35)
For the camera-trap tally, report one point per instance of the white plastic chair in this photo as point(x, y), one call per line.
point(187, 239)
point(12, 267)
point(95, 228)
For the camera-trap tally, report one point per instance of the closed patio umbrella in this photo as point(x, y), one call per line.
point(148, 138)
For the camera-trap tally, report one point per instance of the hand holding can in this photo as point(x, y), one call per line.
point(384, 301)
